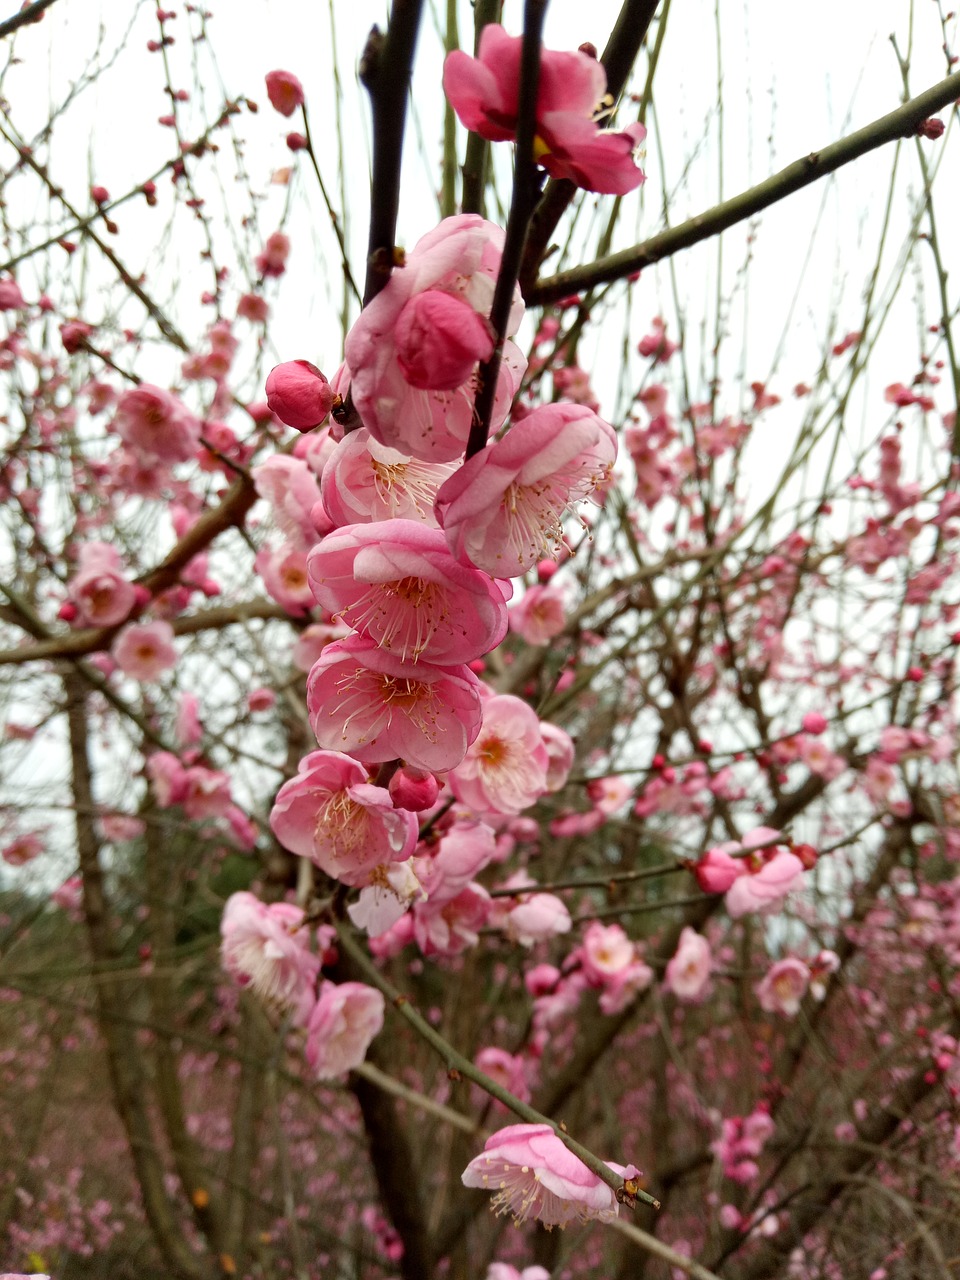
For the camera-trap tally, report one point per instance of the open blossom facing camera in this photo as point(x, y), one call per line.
point(485, 93)
point(156, 425)
point(505, 768)
point(503, 510)
point(267, 948)
point(533, 1175)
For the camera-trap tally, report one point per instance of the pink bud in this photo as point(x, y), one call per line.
point(299, 394)
point(100, 195)
point(296, 141)
point(414, 789)
point(931, 128)
point(67, 611)
point(439, 338)
point(546, 569)
point(141, 594)
point(813, 722)
point(284, 91)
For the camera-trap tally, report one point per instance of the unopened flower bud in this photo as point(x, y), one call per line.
point(414, 789)
point(299, 394)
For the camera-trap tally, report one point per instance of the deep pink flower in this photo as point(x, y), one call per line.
point(145, 650)
point(397, 582)
point(155, 424)
point(502, 511)
point(284, 91)
point(11, 299)
point(505, 769)
point(717, 870)
point(102, 595)
point(268, 949)
point(377, 707)
point(688, 971)
point(331, 814)
point(535, 1176)
point(364, 481)
point(344, 1020)
point(23, 849)
point(460, 257)
point(414, 789)
point(272, 259)
point(439, 339)
point(299, 394)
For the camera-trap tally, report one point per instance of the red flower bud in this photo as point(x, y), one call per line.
point(299, 394)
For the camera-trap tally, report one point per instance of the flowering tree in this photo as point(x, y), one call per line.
point(515, 767)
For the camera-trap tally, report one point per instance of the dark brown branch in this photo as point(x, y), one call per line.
point(29, 14)
point(897, 124)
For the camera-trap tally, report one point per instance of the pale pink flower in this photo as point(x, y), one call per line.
point(688, 972)
point(299, 394)
point(268, 949)
point(606, 952)
point(262, 699)
point(539, 615)
point(364, 481)
point(11, 299)
point(484, 92)
point(331, 814)
point(462, 853)
point(284, 574)
point(504, 1271)
point(784, 987)
point(764, 889)
point(144, 650)
point(448, 926)
point(620, 990)
point(344, 1020)
point(188, 729)
point(102, 595)
point(397, 583)
point(392, 891)
point(503, 510)
point(609, 794)
point(506, 1069)
point(560, 752)
point(536, 918)
point(121, 826)
point(460, 257)
point(822, 967)
point(376, 707)
point(535, 1176)
point(156, 425)
point(206, 793)
point(168, 778)
point(312, 641)
point(284, 91)
point(505, 769)
point(291, 488)
point(23, 849)
point(69, 896)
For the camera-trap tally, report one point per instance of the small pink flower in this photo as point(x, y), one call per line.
point(448, 927)
point(261, 699)
point(503, 510)
point(284, 91)
point(144, 650)
point(23, 849)
point(688, 972)
point(505, 768)
point(119, 827)
point(560, 752)
point(206, 793)
point(537, 917)
point(342, 1024)
point(535, 1176)
point(506, 1069)
point(620, 990)
point(539, 615)
point(267, 948)
point(376, 707)
point(291, 488)
point(102, 595)
point(397, 583)
point(299, 394)
point(764, 889)
point(168, 778)
point(414, 789)
point(331, 814)
point(156, 425)
point(272, 260)
point(364, 481)
point(606, 952)
point(11, 299)
point(284, 574)
point(784, 987)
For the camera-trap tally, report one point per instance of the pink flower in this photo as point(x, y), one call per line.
point(506, 1069)
point(383, 903)
point(397, 583)
point(762, 890)
point(344, 1020)
point(535, 1176)
point(814, 723)
point(69, 896)
point(284, 574)
point(364, 481)
point(460, 258)
point(609, 794)
point(168, 778)
point(268, 949)
point(539, 615)
point(505, 769)
point(11, 299)
point(284, 91)
point(447, 927)
point(620, 989)
point(23, 849)
point(377, 707)
point(717, 870)
point(272, 260)
point(560, 752)
point(121, 826)
point(102, 595)
point(156, 425)
point(188, 728)
point(688, 972)
point(784, 987)
point(484, 92)
point(463, 852)
point(299, 394)
point(503, 510)
point(145, 650)
point(291, 488)
point(537, 917)
point(606, 952)
point(206, 793)
point(261, 699)
point(331, 814)
point(414, 789)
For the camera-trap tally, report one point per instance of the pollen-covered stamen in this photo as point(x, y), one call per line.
point(399, 484)
point(403, 616)
point(416, 699)
point(343, 827)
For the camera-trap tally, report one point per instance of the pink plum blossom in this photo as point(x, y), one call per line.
point(284, 574)
point(784, 987)
point(206, 793)
point(272, 259)
point(331, 814)
point(376, 707)
point(268, 949)
point(101, 594)
point(606, 952)
point(536, 918)
point(688, 972)
point(23, 849)
point(299, 394)
point(560, 752)
point(505, 769)
point(156, 425)
point(504, 1271)
point(462, 853)
point(397, 583)
point(503, 510)
point(507, 1069)
point(535, 1176)
point(764, 889)
point(429, 417)
point(414, 789)
point(284, 91)
point(621, 988)
point(449, 926)
point(484, 92)
point(539, 615)
point(365, 481)
point(344, 1020)
point(144, 650)
point(291, 488)
point(392, 891)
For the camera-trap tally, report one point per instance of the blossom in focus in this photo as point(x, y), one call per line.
point(485, 91)
point(784, 987)
point(342, 1024)
point(688, 971)
point(267, 948)
point(503, 510)
point(533, 1175)
point(377, 707)
point(144, 650)
point(364, 482)
point(284, 91)
point(331, 814)
point(505, 768)
point(299, 394)
point(397, 583)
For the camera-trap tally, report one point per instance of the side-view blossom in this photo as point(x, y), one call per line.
point(284, 91)
point(344, 1020)
point(762, 890)
point(537, 917)
point(267, 948)
point(291, 488)
point(539, 615)
point(533, 1175)
point(688, 971)
point(299, 394)
point(503, 510)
